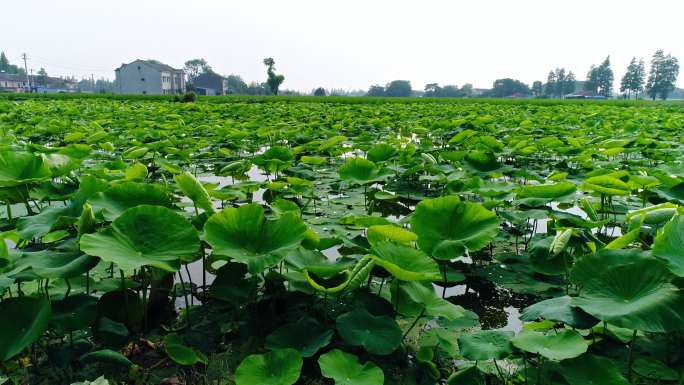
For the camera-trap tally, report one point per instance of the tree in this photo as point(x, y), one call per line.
point(451, 91)
point(591, 84)
point(376, 90)
point(550, 88)
point(633, 80)
point(605, 79)
point(42, 77)
point(398, 88)
point(467, 90)
point(570, 83)
point(507, 87)
point(432, 90)
point(4, 63)
point(537, 88)
point(662, 76)
point(235, 85)
point(274, 80)
point(320, 91)
point(195, 68)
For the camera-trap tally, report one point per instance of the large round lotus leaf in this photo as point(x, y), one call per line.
point(74, 313)
point(346, 369)
point(379, 233)
point(145, 236)
point(377, 334)
point(245, 235)
point(554, 346)
point(306, 336)
point(381, 152)
point(486, 345)
point(654, 369)
point(360, 171)
point(590, 369)
point(52, 264)
point(120, 197)
point(607, 185)
point(547, 191)
point(669, 245)
point(415, 298)
point(278, 367)
point(446, 227)
point(22, 322)
point(559, 309)
point(629, 289)
point(482, 161)
point(232, 285)
point(18, 168)
point(405, 263)
point(469, 376)
point(194, 190)
point(128, 310)
point(180, 353)
point(543, 261)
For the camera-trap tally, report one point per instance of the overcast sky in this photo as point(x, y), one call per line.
point(345, 44)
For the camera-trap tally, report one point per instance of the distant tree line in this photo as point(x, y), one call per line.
point(9, 68)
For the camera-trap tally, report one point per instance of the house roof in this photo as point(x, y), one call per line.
point(152, 63)
point(12, 77)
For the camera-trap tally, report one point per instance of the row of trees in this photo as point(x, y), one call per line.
point(395, 88)
point(660, 83)
point(7, 67)
point(235, 84)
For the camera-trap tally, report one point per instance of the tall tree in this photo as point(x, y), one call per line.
point(320, 91)
point(550, 88)
point(662, 76)
point(570, 83)
point(274, 80)
point(466, 90)
point(633, 80)
point(376, 90)
point(537, 88)
point(604, 81)
point(42, 77)
point(195, 68)
point(591, 84)
point(4, 63)
point(503, 88)
point(398, 88)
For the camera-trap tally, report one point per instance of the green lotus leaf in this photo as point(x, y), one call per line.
point(19, 168)
point(345, 369)
point(379, 233)
point(180, 353)
point(653, 369)
point(381, 152)
point(547, 191)
point(378, 334)
point(607, 185)
point(245, 235)
point(629, 289)
point(313, 160)
point(486, 345)
point(73, 313)
point(23, 321)
point(417, 298)
point(107, 356)
point(559, 309)
point(481, 161)
point(194, 190)
point(591, 369)
point(360, 171)
point(120, 197)
point(52, 264)
point(554, 346)
point(278, 367)
point(316, 262)
point(468, 376)
point(145, 236)
point(543, 261)
point(232, 285)
point(447, 227)
point(405, 263)
point(669, 245)
point(307, 336)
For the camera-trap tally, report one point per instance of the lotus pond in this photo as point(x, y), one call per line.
point(284, 241)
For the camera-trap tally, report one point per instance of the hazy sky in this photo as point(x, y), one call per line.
point(345, 44)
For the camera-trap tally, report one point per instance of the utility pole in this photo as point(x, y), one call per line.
point(28, 80)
